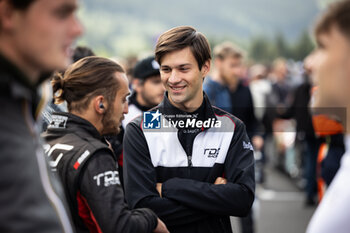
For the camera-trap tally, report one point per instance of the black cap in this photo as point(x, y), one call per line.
point(146, 68)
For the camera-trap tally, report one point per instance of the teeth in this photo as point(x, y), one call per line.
point(177, 88)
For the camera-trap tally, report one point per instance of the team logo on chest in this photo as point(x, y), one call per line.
point(211, 152)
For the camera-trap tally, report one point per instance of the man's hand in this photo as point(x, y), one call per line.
point(159, 189)
point(220, 180)
point(161, 228)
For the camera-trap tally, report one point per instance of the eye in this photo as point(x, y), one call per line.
point(156, 81)
point(165, 69)
point(64, 12)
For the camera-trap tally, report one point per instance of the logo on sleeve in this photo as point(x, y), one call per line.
point(247, 146)
point(151, 120)
point(107, 178)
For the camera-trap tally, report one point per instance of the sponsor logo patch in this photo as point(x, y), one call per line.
point(248, 146)
point(107, 178)
point(58, 122)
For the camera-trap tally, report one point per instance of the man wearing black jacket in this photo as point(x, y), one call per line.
point(34, 38)
point(95, 90)
point(188, 161)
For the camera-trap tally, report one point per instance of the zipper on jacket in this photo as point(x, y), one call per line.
point(189, 159)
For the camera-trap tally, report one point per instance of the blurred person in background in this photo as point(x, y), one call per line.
point(260, 87)
point(280, 82)
point(300, 111)
point(80, 52)
point(148, 88)
point(280, 96)
point(148, 92)
point(281, 133)
point(332, 75)
point(35, 37)
point(226, 89)
point(95, 90)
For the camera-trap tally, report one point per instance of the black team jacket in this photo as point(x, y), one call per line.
point(31, 199)
point(88, 170)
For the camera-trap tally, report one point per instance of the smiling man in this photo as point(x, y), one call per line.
point(193, 174)
point(35, 37)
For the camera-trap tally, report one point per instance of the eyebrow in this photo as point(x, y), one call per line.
point(178, 66)
point(67, 8)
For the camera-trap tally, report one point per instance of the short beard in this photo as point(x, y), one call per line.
point(110, 126)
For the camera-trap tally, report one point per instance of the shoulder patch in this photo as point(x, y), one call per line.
point(58, 122)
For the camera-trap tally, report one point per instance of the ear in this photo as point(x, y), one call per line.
point(205, 68)
point(136, 84)
point(7, 15)
point(100, 105)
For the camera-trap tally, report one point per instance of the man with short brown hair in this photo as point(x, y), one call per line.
point(331, 71)
point(190, 162)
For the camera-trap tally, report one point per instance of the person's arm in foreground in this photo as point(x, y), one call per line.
point(140, 182)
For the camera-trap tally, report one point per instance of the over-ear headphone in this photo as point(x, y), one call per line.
point(101, 105)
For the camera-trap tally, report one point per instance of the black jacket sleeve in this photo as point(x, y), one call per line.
point(140, 182)
point(234, 198)
point(100, 187)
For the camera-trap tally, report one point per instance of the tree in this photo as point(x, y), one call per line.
point(303, 46)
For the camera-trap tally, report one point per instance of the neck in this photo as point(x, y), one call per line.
point(231, 84)
point(92, 118)
point(9, 51)
point(217, 78)
point(190, 106)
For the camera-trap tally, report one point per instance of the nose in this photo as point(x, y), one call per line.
point(174, 78)
point(76, 27)
point(126, 108)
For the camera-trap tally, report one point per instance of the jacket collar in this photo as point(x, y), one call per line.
point(15, 84)
point(12, 73)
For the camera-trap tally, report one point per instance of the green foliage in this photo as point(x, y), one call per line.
point(265, 50)
point(129, 27)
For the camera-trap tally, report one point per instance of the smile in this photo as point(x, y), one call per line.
point(177, 88)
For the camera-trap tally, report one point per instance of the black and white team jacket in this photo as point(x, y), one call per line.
point(187, 157)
